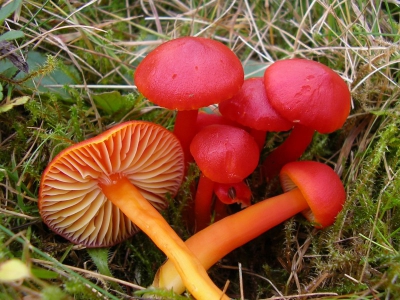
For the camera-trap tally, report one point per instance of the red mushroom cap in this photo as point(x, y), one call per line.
point(225, 154)
point(309, 93)
point(188, 73)
point(250, 107)
point(320, 186)
point(238, 192)
point(71, 201)
point(206, 119)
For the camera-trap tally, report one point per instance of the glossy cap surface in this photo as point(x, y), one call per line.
point(188, 73)
point(225, 154)
point(307, 92)
point(250, 107)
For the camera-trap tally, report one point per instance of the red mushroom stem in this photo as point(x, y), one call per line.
point(203, 201)
point(290, 150)
point(259, 136)
point(131, 202)
point(185, 130)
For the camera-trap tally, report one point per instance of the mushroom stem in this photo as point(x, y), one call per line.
point(222, 237)
point(185, 130)
point(202, 202)
point(130, 201)
point(290, 150)
point(259, 136)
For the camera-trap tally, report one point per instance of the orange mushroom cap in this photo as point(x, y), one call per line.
point(320, 186)
point(71, 202)
point(188, 73)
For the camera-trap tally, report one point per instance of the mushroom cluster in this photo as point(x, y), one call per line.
point(103, 190)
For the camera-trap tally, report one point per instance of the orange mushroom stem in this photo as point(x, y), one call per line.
point(95, 192)
point(310, 187)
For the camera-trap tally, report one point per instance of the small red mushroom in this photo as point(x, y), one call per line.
point(310, 187)
point(311, 96)
point(233, 193)
point(250, 107)
point(97, 191)
point(186, 74)
point(224, 154)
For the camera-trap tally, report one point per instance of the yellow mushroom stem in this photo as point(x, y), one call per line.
point(217, 240)
point(120, 191)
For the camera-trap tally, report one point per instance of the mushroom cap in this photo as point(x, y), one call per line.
point(250, 107)
point(320, 186)
point(225, 154)
point(309, 93)
point(206, 119)
point(232, 193)
point(188, 73)
point(71, 202)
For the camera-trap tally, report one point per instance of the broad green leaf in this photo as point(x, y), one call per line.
point(1, 92)
point(112, 102)
point(13, 270)
point(8, 9)
point(12, 35)
point(14, 102)
point(68, 75)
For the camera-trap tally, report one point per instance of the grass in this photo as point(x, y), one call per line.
point(79, 55)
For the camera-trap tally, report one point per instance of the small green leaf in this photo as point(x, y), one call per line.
point(43, 273)
point(7, 10)
point(13, 270)
point(14, 102)
point(112, 102)
point(12, 35)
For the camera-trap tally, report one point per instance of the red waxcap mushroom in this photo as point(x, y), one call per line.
point(309, 94)
point(97, 191)
point(312, 187)
point(233, 193)
point(224, 154)
point(320, 187)
point(188, 73)
point(250, 107)
point(185, 74)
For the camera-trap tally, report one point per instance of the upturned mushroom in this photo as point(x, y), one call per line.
point(311, 96)
point(224, 154)
point(311, 188)
point(97, 191)
point(186, 74)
